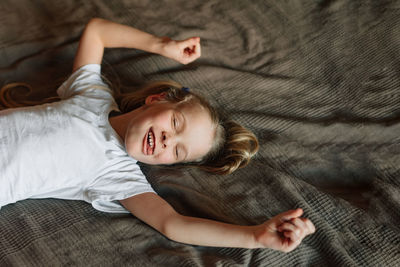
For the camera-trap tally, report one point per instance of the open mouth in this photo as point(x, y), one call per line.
point(149, 143)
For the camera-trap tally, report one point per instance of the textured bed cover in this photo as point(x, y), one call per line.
point(317, 81)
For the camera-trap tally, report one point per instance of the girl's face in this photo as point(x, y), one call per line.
point(167, 133)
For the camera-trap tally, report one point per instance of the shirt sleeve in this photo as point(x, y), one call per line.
point(122, 182)
point(84, 80)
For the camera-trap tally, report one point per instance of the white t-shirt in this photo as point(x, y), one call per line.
point(68, 149)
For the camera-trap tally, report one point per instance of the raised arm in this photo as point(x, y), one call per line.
point(100, 34)
point(283, 232)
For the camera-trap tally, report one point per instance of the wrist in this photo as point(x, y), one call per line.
point(157, 45)
point(253, 241)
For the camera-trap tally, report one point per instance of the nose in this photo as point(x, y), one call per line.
point(167, 139)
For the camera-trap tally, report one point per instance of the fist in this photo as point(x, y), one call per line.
point(285, 231)
point(184, 51)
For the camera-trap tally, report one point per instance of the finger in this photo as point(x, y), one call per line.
point(194, 51)
point(193, 40)
point(291, 235)
point(190, 42)
point(301, 229)
point(287, 226)
point(292, 239)
point(194, 44)
point(198, 46)
point(309, 224)
point(199, 50)
point(299, 223)
point(291, 242)
point(290, 228)
point(286, 216)
point(190, 51)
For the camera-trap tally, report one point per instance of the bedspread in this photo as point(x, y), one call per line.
point(317, 81)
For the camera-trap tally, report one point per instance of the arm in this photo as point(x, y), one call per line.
point(100, 34)
point(156, 212)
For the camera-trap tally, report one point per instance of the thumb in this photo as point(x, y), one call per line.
point(290, 214)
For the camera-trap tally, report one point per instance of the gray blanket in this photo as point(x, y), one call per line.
point(317, 81)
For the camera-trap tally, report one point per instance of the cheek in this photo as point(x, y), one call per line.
point(132, 140)
point(132, 149)
point(163, 121)
point(166, 157)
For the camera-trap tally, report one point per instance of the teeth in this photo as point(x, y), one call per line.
point(150, 139)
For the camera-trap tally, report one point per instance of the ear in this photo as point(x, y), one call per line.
point(155, 98)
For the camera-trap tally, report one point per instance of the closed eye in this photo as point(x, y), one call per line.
point(176, 152)
point(175, 123)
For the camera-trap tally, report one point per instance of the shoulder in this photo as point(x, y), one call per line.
point(86, 79)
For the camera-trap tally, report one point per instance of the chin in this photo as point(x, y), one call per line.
point(151, 162)
point(142, 159)
point(148, 162)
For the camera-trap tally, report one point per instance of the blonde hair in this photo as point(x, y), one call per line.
point(7, 100)
point(233, 145)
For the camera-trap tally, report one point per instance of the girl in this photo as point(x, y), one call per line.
point(71, 149)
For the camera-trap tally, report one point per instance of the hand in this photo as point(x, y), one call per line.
point(184, 51)
point(284, 232)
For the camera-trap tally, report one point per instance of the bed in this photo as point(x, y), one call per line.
point(318, 81)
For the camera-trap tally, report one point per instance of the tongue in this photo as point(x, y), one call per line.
point(149, 150)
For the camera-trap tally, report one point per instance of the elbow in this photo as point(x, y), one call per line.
point(171, 225)
point(94, 21)
point(93, 25)
point(167, 226)
point(92, 32)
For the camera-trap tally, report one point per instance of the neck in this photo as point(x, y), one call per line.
point(120, 122)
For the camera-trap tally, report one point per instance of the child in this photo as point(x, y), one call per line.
point(71, 149)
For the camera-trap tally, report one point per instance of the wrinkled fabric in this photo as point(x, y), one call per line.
point(317, 81)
